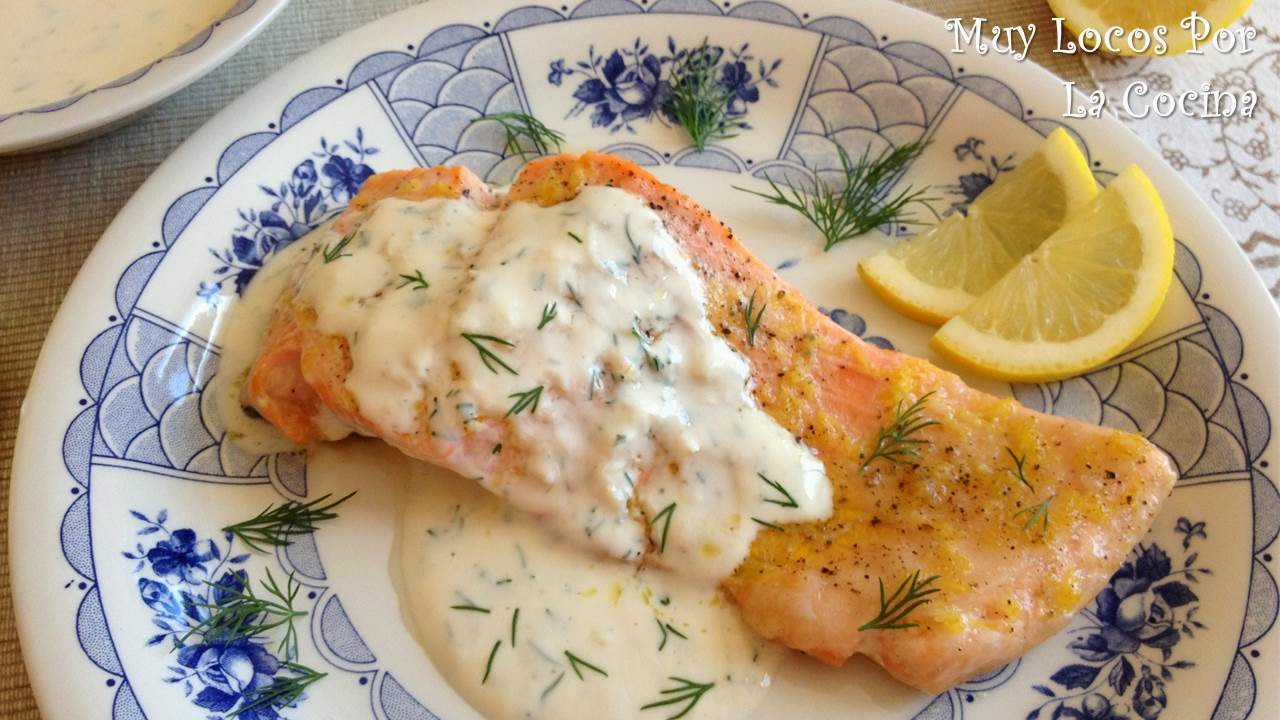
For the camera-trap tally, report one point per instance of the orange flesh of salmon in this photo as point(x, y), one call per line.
point(957, 510)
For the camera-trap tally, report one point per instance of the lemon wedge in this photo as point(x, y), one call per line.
point(1102, 15)
point(1079, 299)
point(933, 276)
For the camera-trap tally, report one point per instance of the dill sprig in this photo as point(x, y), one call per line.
point(573, 294)
point(577, 664)
point(283, 691)
point(548, 314)
point(667, 512)
point(416, 280)
point(335, 252)
point(575, 237)
point(847, 212)
point(667, 630)
point(488, 666)
point(911, 594)
point(787, 501)
point(637, 253)
point(766, 523)
point(646, 345)
point(515, 619)
point(487, 356)
point(518, 126)
point(1038, 513)
point(1018, 468)
point(525, 400)
point(275, 526)
point(240, 613)
point(469, 606)
point(685, 690)
point(895, 442)
point(752, 317)
point(699, 102)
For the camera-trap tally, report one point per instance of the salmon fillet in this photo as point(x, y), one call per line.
point(1007, 578)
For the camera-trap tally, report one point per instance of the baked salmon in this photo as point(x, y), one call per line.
point(996, 526)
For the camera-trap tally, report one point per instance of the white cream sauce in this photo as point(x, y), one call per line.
point(475, 575)
point(645, 437)
point(55, 49)
point(239, 333)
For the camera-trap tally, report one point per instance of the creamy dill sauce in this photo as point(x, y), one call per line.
point(55, 49)
point(468, 562)
point(644, 440)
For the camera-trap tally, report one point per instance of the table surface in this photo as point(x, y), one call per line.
point(57, 204)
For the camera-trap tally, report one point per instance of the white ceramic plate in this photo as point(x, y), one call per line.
point(123, 475)
point(97, 110)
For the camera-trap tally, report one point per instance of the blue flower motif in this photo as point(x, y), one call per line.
point(1127, 645)
point(1149, 698)
point(222, 675)
point(159, 597)
point(230, 672)
point(347, 175)
point(304, 178)
point(632, 84)
point(232, 582)
point(181, 556)
point(316, 189)
point(856, 325)
point(970, 185)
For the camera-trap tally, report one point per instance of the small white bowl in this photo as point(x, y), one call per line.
point(102, 108)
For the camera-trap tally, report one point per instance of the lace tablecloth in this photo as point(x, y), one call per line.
point(1233, 160)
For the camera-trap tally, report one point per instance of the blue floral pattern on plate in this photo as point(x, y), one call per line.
point(634, 83)
point(1128, 641)
point(183, 579)
point(319, 187)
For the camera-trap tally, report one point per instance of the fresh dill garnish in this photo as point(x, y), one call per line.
point(282, 692)
point(552, 686)
point(636, 252)
point(849, 211)
point(487, 356)
point(895, 442)
point(518, 126)
point(488, 667)
point(335, 252)
point(515, 618)
point(548, 314)
point(752, 317)
point(470, 607)
point(275, 526)
point(575, 237)
point(685, 690)
point(911, 594)
point(666, 629)
point(527, 399)
point(1018, 469)
point(576, 664)
point(767, 524)
point(573, 295)
point(240, 613)
point(668, 512)
point(699, 101)
point(497, 449)
point(1037, 513)
point(787, 501)
point(416, 280)
point(646, 345)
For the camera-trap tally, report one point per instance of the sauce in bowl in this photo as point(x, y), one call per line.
point(57, 49)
